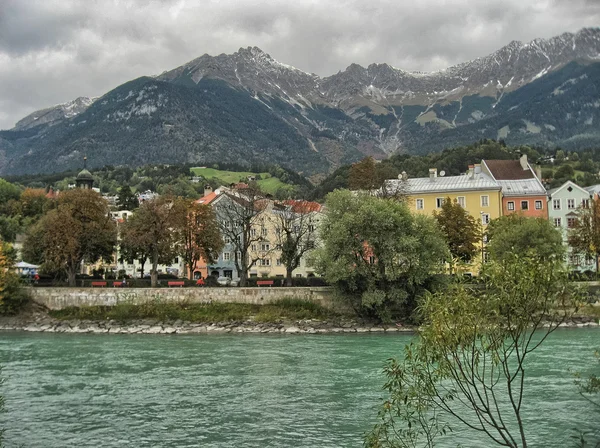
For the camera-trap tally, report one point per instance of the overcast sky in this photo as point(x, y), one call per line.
point(52, 51)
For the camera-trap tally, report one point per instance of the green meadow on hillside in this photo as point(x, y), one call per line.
point(267, 183)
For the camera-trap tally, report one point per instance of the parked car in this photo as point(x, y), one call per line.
point(228, 281)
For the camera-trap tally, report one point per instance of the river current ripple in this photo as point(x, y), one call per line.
point(78, 390)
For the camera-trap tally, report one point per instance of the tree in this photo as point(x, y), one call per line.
point(151, 231)
point(295, 228)
point(133, 243)
point(471, 360)
point(126, 200)
point(560, 156)
point(363, 175)
point(79, 228)
point(378, 255)
point(12, 295)
point(34, 203)
point(462, 231)
point(516, 233)
point(584, 236)
point(240, 216)
point(198, 232)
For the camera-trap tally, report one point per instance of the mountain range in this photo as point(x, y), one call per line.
point(248, 107)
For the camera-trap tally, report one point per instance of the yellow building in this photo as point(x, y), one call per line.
point(302, 217)
point(475, 191)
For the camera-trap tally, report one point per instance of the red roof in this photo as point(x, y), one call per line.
point(508, 170)
point(207, 199)
point(299, 206)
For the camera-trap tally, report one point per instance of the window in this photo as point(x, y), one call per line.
point(311, 228)
point(176, 260)
point(265, 262)
point(557, 222)
point(524, 205)
point(226, 256)
point(252, 232)
point(371, 259)
point(486, 257)
point(510, 206)
point(570, 204)
point(556, 204)
point(227, 240)
point(485, 201)
point(538, 205)
point(310, 244)
point(439, 202)
point(278, 262)
point(265, 247)
point(239, 255)
point(462, 201)
point(420, 204)
point(485, 218)
point(571, 222)
point(264, 232)
point(585, 203)
point(574, 259)
point(253, 248)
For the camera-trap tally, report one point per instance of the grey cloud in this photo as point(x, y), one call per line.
point(52, 51)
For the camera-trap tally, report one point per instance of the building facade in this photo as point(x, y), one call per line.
point(522, 190)
point(563, 204)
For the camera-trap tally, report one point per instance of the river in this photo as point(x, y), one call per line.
point(74, 390)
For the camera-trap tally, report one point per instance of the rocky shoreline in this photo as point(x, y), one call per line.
point(43, 323)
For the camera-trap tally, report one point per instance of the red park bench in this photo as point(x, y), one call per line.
point(100, 284)
point(180, 284)
point(118, 285)
point(264, 283)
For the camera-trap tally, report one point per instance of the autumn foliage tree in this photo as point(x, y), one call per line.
point(198, 233)
point(151, 231)
point(78, 229)
point(462, 231)
point(584, 236)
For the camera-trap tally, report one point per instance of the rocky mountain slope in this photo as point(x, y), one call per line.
point(249, 107)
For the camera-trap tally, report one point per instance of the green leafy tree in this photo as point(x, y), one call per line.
point(560, 156)
point(462, 231)
point(584, 236)
point(518, 234)
point(363, 175)
point(79, 229)
point(471, 361)
point(378, 255)
point(126, 199)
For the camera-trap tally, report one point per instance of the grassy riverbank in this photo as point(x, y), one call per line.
point(284, 309)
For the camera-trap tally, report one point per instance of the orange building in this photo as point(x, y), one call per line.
point(522, 190)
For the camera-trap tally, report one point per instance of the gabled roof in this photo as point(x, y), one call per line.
point(569, 184)
point(522, 187)
point(508, 170)
point(206, 200)
point(299, 206)
point(593, 189)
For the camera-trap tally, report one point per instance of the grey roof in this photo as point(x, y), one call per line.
point(593, 189)
point(522, 187)
point(447, 184)
point(85, 175)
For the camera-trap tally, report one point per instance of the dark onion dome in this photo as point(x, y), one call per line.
point(84, 174)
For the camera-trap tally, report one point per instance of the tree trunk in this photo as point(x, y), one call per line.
point(71, 274)
point(154, 271)
point(288, 277)
point(142, 263)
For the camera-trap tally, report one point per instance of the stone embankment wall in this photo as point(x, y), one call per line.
point(59, 298)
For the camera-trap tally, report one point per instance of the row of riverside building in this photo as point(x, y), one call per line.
point(487, 191)
point(496, 188)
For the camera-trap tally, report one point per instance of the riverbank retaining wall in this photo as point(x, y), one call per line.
point(59, 298)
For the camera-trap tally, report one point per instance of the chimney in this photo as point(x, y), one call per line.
point(207, 190)
point(404, 175)
point(432, 174)
point(471, 171)
point(523, 162)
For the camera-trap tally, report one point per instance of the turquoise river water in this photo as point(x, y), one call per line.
point(73, 390)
